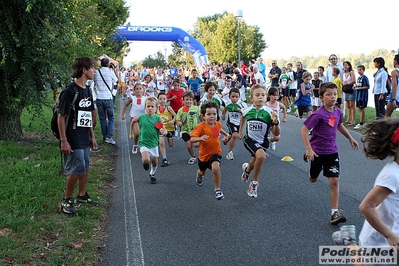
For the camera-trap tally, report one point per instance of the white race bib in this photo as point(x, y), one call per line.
point(84, 119)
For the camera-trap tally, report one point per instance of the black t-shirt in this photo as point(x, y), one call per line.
point(316, 84)
point(77, 136)
point(298, 77)
point(273, 71)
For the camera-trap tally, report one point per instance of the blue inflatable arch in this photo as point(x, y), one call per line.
point(172, 34)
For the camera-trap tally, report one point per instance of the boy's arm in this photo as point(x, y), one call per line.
point(242, 124)
point(224, 113)
point(173, 115)
point(310, 154)
point(346, 133)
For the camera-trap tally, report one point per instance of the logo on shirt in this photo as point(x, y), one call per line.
point(85, 103)
point(255, 126)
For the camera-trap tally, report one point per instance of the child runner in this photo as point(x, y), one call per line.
point(316, 82)
point(175, 95)
point(209, 154)
point(322, 149)
point(361, 94)
point(304, 101)
point(168, 117)
point(259, 119)
point(233, 107)
point(210, 95)
point(194, 85)
point(129, 89)
point(150, 128)
point(187, 119)
point(150, 86)
point(226, 91)
point(138, 108)
point(275, 106)
point(337, 81)
point(380, 206)
point(284, 86)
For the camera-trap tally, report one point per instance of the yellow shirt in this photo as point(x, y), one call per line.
point(166, 117)
point(337, 81)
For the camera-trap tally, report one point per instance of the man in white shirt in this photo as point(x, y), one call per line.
point(104, 80)
point(333, 63)
point(258, 76)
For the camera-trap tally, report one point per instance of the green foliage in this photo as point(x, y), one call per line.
point(38, 42)
point(157, 61)
point(313, 62)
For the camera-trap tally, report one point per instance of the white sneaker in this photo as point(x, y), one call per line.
point(253, 189)
point(110, 141)
point(245, 175)
point(288, 110)
point(191, 160)
point(273, 146)
point(230, 156)
point(358, 126)
point(134, 150)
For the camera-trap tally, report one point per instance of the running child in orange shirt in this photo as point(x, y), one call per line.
point(210, 153)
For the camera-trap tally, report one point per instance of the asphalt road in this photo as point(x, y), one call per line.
point(175, 222)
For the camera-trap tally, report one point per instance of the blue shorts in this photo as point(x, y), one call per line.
point(77, 163)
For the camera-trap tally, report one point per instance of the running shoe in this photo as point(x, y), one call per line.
point(245, 175)
point(253, 189)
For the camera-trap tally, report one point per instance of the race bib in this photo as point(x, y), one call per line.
point(84, 119)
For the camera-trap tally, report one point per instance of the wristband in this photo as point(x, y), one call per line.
point(61, 139)
point(275, 124)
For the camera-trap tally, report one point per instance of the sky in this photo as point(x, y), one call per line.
point(290, 27)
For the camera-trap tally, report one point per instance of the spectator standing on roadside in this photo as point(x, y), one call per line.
point(380, 87)
point(262, 67)
point(77, 138)
point(362, 94)
point(104, 79)
point(274, 74)
point(394, 95)
point(244, 70)
point(333, 63)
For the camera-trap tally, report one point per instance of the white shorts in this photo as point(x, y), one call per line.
point(154, 152)
point(316, 102)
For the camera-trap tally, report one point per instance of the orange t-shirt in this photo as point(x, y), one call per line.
point(212, 145)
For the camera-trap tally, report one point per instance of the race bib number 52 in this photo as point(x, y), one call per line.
point(84, 119)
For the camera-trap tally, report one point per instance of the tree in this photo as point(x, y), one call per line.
point(38, 41)
point(157, 61)
point(218, 34)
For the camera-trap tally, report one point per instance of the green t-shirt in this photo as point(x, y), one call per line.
point(149, 134)
point(284, 79)
point(258, 123)
point(189, 118)
point(234, 115)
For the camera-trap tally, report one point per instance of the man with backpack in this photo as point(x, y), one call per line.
point(76, 135)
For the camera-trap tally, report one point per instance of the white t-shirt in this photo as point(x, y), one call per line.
point(388, 209)
point(150, 88)
point(259, 76)
point(294, 83)
point(138, 106)
point(160, 82)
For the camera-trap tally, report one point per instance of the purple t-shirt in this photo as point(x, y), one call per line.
point(324, 136)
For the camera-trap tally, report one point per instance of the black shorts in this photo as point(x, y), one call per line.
point(186, 137)
point(232, 128)
point(285, 92)
point(329, 163)
point(169, 135)
point(302, 109)
point(252, 146)
point(208, 164)
point(361, 104)
point(293, 92)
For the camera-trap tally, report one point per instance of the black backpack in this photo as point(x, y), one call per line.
point(56, 107)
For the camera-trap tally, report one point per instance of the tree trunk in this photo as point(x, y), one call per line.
point(10, 125)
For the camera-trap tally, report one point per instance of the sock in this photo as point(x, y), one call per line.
point(255, 182)
point(164, 158)
point(146, 166)
point(153, 170)
point(333, 210)
point(361, 123)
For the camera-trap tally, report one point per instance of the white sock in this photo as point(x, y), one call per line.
point(153, 170)
point(255, 182)
point(333, 210)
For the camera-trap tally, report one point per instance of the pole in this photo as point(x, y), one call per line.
point(239, 49)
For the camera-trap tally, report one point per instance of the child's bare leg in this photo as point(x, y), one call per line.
point(162, 148)
point(190, 149)
point(136, 133)
point(334, 191)
point(216, 174)
point(233, 140)
point(260, 157)
point(145, 157)
point(170, 142)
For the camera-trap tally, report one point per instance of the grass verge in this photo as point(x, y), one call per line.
point(32, 230)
